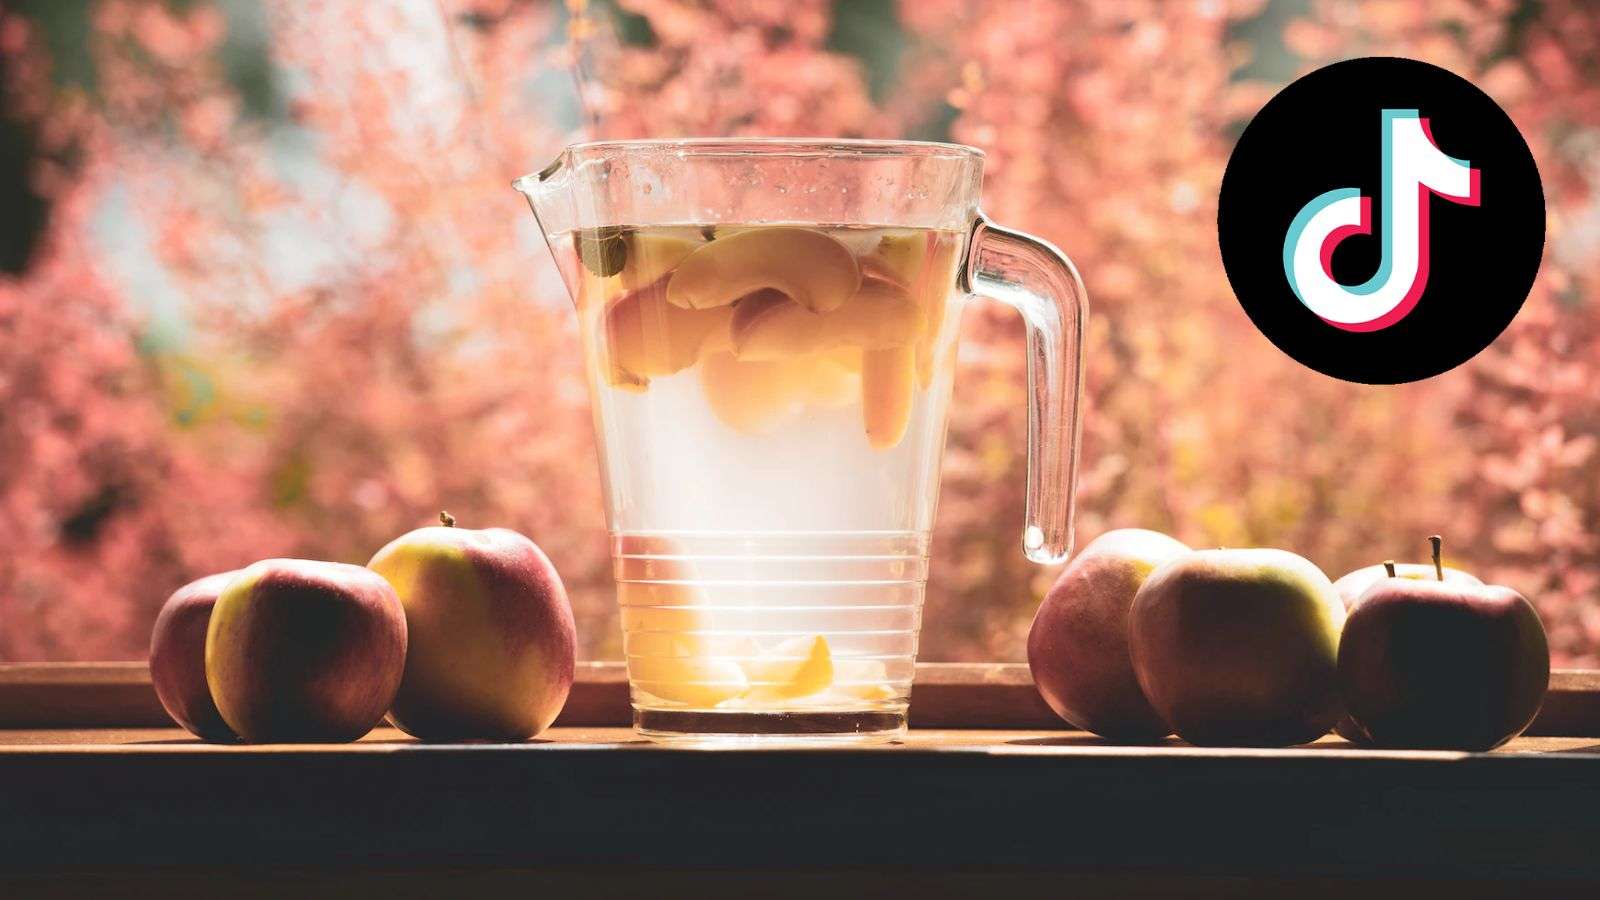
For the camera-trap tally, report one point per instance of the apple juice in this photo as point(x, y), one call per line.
point(770, 400)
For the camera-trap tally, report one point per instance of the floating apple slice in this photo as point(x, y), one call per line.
point(888, 380)
point(692, 680)
point(654, 253)
point(863, 679)
point(881, 315)
point(718, 339)
point(900, 255)
point(831, 379)
point(859, 243)
point(667, 633)
point(767, 325)
point(719, 232)
point(836, 377)
point(846, 358)
point(937, 281)
point(798, 667)
point(863, 242)
point(647, 337)
point(923, 262)
point(813, 269)
point(598, 362)
point(595, 292)
point(752, 397)
point(623, 380)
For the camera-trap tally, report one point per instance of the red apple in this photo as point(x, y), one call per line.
point(1443, 665)
point(492, 637)
point(1078, 645)
point(1354, 584)
point(305, 651)
point(178, 658)
point(1239, 647)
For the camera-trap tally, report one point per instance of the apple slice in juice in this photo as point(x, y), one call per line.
point(754, 397)
point(888, 383)
point(648, 337)
point(796, 668)
point(653, 253)
point(668, 635)
point(812, 268)
point(767, 325)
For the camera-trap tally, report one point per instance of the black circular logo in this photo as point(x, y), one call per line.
point(1381, 220)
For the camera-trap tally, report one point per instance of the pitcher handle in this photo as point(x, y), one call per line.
point(1040, 282)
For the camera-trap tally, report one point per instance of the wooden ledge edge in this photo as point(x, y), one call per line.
point(947, 695)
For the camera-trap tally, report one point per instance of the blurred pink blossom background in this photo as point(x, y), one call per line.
point(269, 293)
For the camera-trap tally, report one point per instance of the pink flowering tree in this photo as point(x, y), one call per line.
point(284, 302)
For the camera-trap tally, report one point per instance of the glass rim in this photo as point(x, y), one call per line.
point(766, 146)
point(778, 146)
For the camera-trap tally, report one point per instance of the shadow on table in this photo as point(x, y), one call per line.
point(1331, 742)
point(1081, 739)
point(1088, 740)
point(381, 742)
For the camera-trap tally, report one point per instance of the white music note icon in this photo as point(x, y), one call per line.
point(1413, 168)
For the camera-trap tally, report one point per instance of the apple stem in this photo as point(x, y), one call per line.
point(1388, 566)
point(446, 519)
point(1438, 555)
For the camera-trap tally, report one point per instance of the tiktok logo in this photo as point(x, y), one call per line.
point(1416, 275)
point(1413, 168)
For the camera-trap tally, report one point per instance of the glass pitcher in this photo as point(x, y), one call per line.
point(770, 328)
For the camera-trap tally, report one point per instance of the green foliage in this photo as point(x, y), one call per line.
point(870, 31)
point(246, 59)
point(64, 27)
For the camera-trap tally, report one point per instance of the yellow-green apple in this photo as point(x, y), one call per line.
point(178, 658)
point(1443, 665)
point(1078, 645)
point(492, 637)
point(1239, 647)
point(299, 650)
point(1354, 584)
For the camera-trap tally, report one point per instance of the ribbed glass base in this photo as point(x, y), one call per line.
point(761, 729)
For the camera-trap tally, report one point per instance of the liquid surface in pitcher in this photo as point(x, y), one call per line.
point(772, 400)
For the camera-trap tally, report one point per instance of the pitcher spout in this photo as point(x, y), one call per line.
point(548, 195)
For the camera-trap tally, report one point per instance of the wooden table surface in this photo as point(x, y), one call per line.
point(599, 800)
point(1055, 742)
